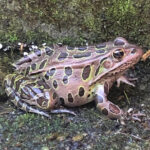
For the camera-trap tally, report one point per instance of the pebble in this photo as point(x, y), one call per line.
point(44, 148)
point(143, 87)
point(19, 43)
point(7, 48)
point(34, 47)
point(60, 44)
point(44, 44)
point(1, 46)
point(25, 54)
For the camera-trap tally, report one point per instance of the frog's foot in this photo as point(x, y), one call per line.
point(125, 80)
point(57, 111)
point(130, 115)
point(111, 110)
point(26, 107)
point(37, 111)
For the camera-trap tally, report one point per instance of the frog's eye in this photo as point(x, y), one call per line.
point(118, 54)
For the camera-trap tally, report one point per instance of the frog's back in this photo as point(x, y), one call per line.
point(48, 57)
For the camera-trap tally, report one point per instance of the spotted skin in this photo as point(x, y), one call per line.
point(86, 72)
point(70, 98)
point(70, 76)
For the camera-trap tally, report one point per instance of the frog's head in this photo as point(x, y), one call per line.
point(121, 56)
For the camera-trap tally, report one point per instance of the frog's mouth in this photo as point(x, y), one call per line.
point(122, 68)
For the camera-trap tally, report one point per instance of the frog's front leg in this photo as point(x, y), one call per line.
point(104, 105)
point(126, 80)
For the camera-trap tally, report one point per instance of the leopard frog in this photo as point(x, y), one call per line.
point(52, 77)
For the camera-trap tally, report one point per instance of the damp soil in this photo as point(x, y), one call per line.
point(89, 129)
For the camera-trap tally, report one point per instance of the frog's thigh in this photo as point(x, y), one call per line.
point(107, 108)
point(39, 96)
point(30, 95)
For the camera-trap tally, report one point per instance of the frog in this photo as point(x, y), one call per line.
point(51, 78)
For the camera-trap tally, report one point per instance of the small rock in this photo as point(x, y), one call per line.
point(143, 87)
point(1, 46)
point(78, 137)
point(7, 48)
point(61, 138)
point(25, 54)
point(44, 148)
point(19, 43)
point(34, 47)
point(60, 44)
point(142, 105)
point(44, 44)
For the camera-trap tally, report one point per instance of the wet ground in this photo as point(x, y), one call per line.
point(89, 129)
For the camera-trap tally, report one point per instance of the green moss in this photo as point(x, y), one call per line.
point(12, 37)
point(75, 20)
point(122, 8)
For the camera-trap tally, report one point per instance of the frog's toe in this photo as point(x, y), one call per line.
point(130, 115)
point(126, 80)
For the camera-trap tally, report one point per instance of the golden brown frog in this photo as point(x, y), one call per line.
point(53, 76)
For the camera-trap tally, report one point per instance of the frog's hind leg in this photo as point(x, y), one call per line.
point(16, 100)
point(32, 95)
point(107, 108)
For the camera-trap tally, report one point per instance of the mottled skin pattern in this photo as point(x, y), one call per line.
point(61, 75)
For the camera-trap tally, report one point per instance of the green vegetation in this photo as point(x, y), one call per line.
point(74, 21)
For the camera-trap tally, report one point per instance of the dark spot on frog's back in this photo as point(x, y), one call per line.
point(48, 51)
point(70, 98)
point(70, 48)
point(82, 55)
point(37, 52)
point(86, 72)
point(65, 79)
point(100, 51)
point(82, 48)
point(55, 84)
point(102, 45)
point(33, 66)
point(52, 71)
point(81, 91)
point(42, 64)
point(62, 56)
point(68, 71)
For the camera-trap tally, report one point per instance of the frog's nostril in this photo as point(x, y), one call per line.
point(133, 50)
